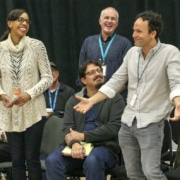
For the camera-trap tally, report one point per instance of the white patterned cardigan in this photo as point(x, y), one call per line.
point(25, 65)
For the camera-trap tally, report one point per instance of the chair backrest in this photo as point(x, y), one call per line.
point(52, 135)
point(175, 126)
point(167, 141)
point(167, 152)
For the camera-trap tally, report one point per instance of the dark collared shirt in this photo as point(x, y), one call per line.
point(90, 116)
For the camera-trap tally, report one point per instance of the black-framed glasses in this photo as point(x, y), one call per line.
point(92, 72)
point(21, 20)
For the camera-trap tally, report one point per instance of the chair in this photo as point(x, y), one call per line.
point(6, 170)
point(52, 137)
point(167, 155)
point(174, 174)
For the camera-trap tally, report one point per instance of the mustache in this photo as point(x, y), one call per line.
point(98, 76)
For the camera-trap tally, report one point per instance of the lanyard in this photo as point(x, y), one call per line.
point(55, 98)
point(139, 78)
point(104, 54)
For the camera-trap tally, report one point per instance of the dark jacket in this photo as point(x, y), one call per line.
point(64, 93)
point(108, 122)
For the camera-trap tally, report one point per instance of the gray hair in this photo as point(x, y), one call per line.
point(102, 12)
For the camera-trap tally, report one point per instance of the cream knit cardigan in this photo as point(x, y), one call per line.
point(25, 65)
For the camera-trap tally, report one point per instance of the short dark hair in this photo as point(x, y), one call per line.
point(154, 19)
point(83, 67)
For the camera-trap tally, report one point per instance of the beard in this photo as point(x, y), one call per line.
point(97, 86)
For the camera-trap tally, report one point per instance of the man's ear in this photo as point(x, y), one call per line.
point(83, 80)
point(153, 34)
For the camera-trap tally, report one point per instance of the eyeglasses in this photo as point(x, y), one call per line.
point(21, 20)
point(92, 72)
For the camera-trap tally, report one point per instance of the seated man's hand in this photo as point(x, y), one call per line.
point(78, 151)
point(74, 135)
point(84, 105)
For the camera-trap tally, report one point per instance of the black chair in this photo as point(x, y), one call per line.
point(174, 174)
point(167, 155)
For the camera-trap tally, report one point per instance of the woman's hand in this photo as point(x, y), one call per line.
point(6, 102)
point(22, 99)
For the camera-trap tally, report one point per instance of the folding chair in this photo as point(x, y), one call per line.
point(174, 174)
point(52, 137)
point(6, 170)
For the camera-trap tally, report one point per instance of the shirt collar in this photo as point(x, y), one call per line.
point(108, 39)
point(85, 93)
point(154, 49)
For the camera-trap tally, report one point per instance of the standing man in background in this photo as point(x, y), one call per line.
point(108, 48)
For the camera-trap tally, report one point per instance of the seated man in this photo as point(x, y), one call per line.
point(57, 94)
point(99, 126)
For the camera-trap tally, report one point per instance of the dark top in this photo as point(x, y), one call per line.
point(64, 93)
point(118, 49)
point(91, 50)
point(90, 115)
point(108, 121)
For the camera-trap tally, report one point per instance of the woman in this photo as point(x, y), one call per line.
point(24, 75)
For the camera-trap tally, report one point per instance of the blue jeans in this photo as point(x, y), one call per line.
point(94, 166)
point(141, 150)
point(25, 151)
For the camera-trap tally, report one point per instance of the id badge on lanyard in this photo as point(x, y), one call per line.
point(16, 92)
point(104, 67)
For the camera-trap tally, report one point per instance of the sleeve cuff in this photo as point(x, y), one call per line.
point(173, 94)
point(72, 142)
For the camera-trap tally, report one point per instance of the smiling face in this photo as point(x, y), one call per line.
point(141, 35)
point(108, 21)
point(19, 27)
point(93, 77)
